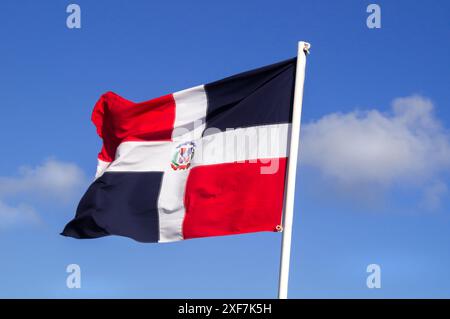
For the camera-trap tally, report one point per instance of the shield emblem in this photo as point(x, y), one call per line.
point(184, 153)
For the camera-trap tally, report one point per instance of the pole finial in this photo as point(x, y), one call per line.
point(305, 46)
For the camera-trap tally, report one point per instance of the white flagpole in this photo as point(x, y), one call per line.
point(288, 215)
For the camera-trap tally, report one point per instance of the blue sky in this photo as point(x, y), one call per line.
point(373, 176)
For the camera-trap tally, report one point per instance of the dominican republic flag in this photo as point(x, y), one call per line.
point(206, 161)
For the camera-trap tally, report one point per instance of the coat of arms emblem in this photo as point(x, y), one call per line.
point(183, 156)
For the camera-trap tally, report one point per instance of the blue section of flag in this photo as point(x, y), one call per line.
point(258, 97)
point(119, 203)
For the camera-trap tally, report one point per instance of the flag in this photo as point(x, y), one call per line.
point(206, 161)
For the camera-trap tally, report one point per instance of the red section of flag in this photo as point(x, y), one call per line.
point(233, 198)
point(119, 120)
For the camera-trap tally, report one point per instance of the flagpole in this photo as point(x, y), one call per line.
point(303, 50)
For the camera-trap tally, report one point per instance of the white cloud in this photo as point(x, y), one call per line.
point(53, 180)
point(12, 216)
point(408, 145)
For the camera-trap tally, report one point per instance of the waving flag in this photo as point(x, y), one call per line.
point(206, 161)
